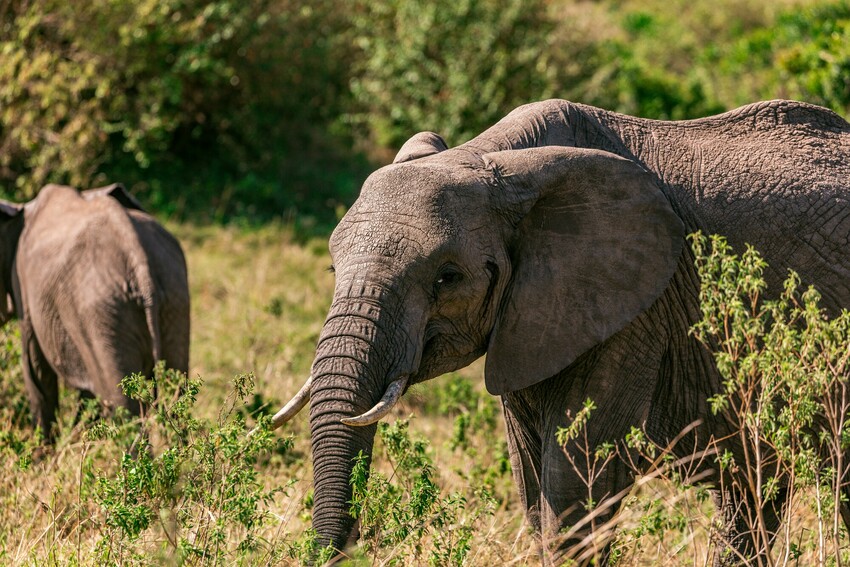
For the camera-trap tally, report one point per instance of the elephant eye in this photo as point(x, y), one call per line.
point(448, 276)
point(332, 268)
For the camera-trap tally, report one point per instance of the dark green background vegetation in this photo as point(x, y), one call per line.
point(252, 110)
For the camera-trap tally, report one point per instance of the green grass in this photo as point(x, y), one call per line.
point(259, 298)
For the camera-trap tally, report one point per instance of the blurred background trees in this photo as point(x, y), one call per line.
point(259, 109)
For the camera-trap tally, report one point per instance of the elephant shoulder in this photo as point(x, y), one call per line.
point(780, 113)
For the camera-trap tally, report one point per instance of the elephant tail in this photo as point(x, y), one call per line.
point(150, 301)
point(152, 317)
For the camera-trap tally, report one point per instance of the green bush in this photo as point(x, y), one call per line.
point(207, 107)
point(801, 54)
point(220, 110)
point(198, 492)
point(405, 517)
point(786, 372)
point(785, 391)
point(167, 486)
point(451, 66)
point(815, 59)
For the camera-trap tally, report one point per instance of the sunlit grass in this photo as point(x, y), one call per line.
point(259, 298)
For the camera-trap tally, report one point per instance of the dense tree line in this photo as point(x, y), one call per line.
point(265, 108)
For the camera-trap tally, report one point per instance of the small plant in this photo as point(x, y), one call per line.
point(199, 493)
point(404, 516)
point(306, 549)
point(589, 464)
point(785, 367)
point(647, 516)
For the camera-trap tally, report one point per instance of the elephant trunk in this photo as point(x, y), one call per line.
point(355, 362)
point(335, 446)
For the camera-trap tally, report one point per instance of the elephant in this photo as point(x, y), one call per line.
point(100, 290)
point(555, 242)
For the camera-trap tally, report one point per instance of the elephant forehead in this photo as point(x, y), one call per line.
point(390, 231)
point(411, 187)
point(401, 209)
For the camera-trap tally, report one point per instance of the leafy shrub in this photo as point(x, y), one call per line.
point(815, 59)
point(200, 492)
point(801, 54)
point(785, 367)
point(166, 486)
point(221, 110)
point(204, 106)
point(405, 517)
point(451, 66)
point(621, 76)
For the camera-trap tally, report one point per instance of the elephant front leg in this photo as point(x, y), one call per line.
point(41, 383)
point(742, 538)
point(581, 494)
point(554, 488)
point(524, 451)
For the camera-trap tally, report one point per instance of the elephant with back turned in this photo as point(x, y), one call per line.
point(100, 290)
point(555, 242)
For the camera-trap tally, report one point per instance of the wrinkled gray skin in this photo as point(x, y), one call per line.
point(554, 242)
point(100, 289)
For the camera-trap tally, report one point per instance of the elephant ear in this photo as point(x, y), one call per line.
point(10, 210)
point(117, 192)
point(596, 242)
point(421, 145)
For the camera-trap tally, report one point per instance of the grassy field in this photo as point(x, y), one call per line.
point(259, 300)
point(206, 496)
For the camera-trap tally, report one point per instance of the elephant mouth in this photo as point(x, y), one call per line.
point(440, 356)
point(429, 348)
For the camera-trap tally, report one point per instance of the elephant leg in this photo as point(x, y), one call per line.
point(739, 543)
point(117, 345)
point(531, 468)
point(85, 396)
point(577, 515)
point(524, 449)
point(175, 336)
point(41, 382)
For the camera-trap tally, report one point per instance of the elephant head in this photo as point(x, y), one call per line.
point(118, 192)
point(530, 255)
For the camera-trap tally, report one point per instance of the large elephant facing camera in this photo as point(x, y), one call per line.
point(555, 242)
point(100, 289)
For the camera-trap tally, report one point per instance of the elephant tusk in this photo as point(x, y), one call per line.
point(292, 408)
point(382, 408)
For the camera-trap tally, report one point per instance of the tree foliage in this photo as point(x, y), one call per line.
point(454, 65)
point(261, 108)
point(172, 92)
